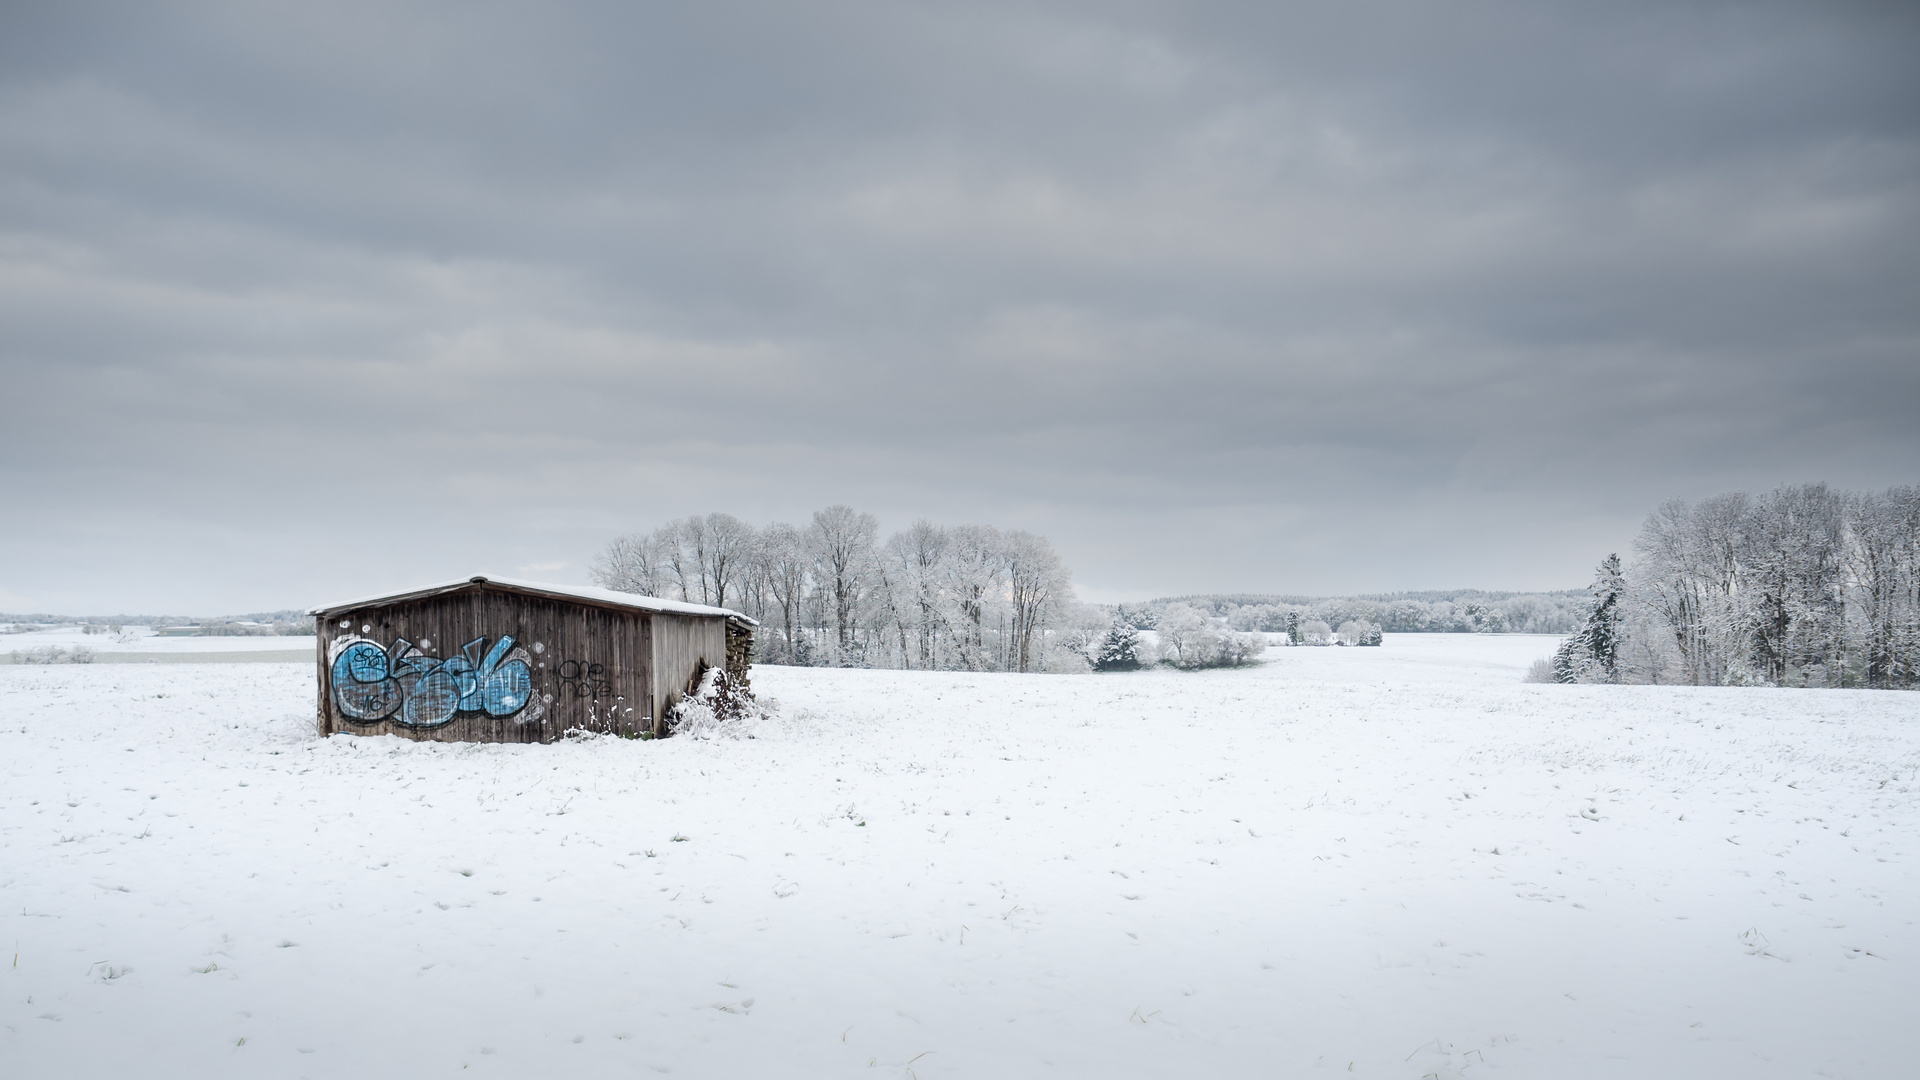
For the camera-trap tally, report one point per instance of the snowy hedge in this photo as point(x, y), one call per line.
point(1189, 640)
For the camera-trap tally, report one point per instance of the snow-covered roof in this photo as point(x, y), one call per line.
point(585, 593)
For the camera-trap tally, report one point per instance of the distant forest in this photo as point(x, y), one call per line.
point(286, 621)
point(1458, 611)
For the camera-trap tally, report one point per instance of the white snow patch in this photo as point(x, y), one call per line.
point(1388, 862)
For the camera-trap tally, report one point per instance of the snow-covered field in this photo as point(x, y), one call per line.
point(1393, 862)
point(136, 643)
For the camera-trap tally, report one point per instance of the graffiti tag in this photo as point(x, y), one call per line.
point(408, 686)
point(584, 680)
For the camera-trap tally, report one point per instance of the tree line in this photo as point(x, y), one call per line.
point(1467, 611)
point(832, 592)
point(1802, 586)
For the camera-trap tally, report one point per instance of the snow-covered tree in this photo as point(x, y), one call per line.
point(1803, 586)
point(1119, 650)
point(966, 597)
point(975, 573)
point(917, 556)
point(1594, 652)
point(843, 547)
point(1485, 618)
point(1883, 567)
point(634, 563)
point(782, 561)
point(1189, 638)
point(1036, 583)
point(1180, 628)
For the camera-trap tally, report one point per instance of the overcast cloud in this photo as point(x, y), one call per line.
point(306, 300)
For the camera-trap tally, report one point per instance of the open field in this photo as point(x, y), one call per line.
point(140, 645)
point(1393, 862)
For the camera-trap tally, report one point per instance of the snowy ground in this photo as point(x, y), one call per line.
point(1393, 862)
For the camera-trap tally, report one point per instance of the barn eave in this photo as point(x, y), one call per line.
point(579, 594)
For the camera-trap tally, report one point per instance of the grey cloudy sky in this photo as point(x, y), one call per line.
point(300, 300)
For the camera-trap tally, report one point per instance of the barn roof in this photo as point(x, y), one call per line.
point(585, 594)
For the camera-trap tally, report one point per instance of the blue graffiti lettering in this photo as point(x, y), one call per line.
point(412, 688)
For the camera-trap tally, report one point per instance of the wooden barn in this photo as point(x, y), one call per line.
point(487, 659)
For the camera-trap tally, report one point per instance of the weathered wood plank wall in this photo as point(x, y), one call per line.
point(683, 647)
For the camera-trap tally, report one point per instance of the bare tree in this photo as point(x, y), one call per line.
point(632, 563)
point(1691, 573)
point(725, 548)
point(975, 566)
point(1180, 629)
point(918, 556)
point(682, 569)
point(1036, 583)
point(785, 561)
point(1795, 547)
point(1884, 567)
point(843, 552)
